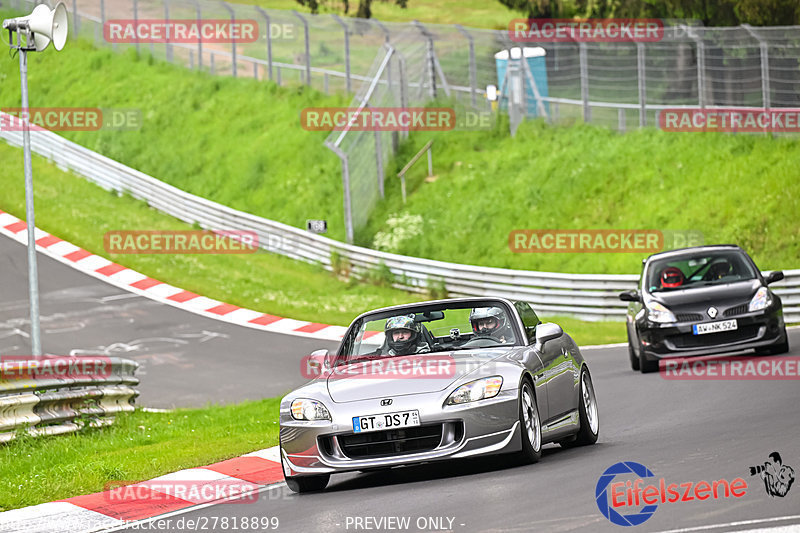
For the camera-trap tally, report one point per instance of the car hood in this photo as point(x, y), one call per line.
point(712, 295)
point(411, 374)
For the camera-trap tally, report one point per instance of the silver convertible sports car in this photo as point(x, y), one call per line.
point(433, 381)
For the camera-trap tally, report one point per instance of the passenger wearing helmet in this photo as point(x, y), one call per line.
point(491, 322)
point(403, 337)
point(671, 277)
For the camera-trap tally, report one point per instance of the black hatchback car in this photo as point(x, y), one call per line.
point(701, 301)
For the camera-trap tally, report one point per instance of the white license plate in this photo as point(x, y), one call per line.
point(714, 327)
point(403, 419)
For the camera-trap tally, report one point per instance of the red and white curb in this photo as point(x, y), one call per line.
point(130, 280)
point(199, 487)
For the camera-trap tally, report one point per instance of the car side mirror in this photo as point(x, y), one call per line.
point(630, 296)
point(547, 331)
point(775, 275)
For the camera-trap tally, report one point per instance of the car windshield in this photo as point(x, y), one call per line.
point(698, 270)
point(429, 329)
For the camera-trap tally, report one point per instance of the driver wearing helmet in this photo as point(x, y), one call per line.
point(403, 336)
point(671, 277)
point(490, 322)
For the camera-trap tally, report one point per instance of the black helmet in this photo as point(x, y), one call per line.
point(398, 323)
point(487, 312)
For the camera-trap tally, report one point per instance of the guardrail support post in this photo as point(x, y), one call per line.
point(346, 52)
point(229, 9)
point(642, 73)
point(587, 110)
point(307, 49)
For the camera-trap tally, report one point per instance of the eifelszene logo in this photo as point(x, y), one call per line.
point(631, 494)
point(778, 477)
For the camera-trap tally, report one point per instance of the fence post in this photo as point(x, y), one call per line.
point(102, 18)
point(379, 162)
point(308, 51)
point(473, 84)
point(346, 51)
point(621, 119)
point(587, 111)
point(764, 50)
point(701, 62)
point(430, 57)
point(199, 12)
point(642, 73)
point(269, 40)
point(348, 213)
point(229, 9)
point(167, 47)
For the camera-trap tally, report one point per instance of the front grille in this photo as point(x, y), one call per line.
point(689, 317)
point(738, 310)
point(391, 441)
point(712, 339)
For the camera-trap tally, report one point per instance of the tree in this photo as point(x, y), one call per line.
point(364, 6)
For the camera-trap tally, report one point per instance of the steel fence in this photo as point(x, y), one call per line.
point(587, 296)
point(42, 405)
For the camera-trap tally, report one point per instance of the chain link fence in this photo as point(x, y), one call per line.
point(618, 85)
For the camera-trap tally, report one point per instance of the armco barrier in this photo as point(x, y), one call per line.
point(586, 296)
point(56, 405)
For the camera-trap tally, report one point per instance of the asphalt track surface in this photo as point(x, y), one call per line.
point(186, 359)
point(684, 431)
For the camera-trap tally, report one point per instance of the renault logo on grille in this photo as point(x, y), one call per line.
point(712, 311)
point(387, 401)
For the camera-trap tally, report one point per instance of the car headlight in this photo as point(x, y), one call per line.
point(658, 313)
point(480, 389)
point(761, 300)
point(304, 409)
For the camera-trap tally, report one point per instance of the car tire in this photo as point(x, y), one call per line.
point(530, 425)
point(589, 428)
point(302, 484)
point(775, 349)
point(646, 366)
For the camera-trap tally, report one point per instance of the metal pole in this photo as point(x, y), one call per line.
point(229, 9)
point(701, 61)
point(33, 276)
point(473, 84)
point(430, 161)
point(621, 119)
point(587, 111)
point(199, 12)
point(136, 20)
point(346, 51)
point(308, 50)
point(348, 212)
point(75, 19)
point(640, 69)
point(764, 50)
point(430, 57)
point(269, 41)
point(379, 162)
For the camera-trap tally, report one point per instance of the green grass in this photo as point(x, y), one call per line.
point(733, 188)
point(472, 13)
point(138, 446)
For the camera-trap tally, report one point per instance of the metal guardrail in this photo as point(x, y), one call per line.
point(586, 296)
point(47, 405)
